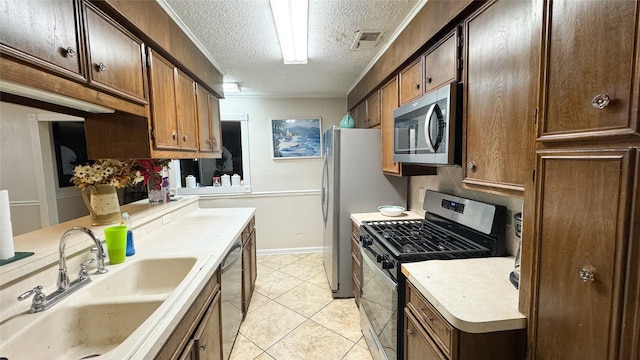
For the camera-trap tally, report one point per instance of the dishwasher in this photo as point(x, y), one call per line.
point(231, 289)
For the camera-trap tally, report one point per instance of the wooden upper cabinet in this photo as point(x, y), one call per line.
point(209, 121)
point(411, 82)
point(587, 262)
point(360, 115)
point(163, 102)
point(591, 61)
point(43, 33)
point(116, 58)
point(441, 64)
point(498, 117)
point(186, 111)
point(373, 110)
point(388, 103)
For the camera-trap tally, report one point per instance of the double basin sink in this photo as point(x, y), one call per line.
point(99, 317)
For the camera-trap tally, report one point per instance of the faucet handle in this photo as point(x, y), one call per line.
point(83, 274)
point(100, 256)
point(38, 296)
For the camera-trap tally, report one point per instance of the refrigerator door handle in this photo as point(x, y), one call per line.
point(323, 192)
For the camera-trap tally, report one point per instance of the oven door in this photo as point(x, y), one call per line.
point(378, 308)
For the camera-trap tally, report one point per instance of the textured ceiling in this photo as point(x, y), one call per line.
point(241, 40)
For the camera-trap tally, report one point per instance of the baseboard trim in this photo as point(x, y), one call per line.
point(305, 250)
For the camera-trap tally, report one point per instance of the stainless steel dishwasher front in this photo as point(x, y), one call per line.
point(231, 296)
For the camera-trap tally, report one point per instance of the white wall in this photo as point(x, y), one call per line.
point(286, 193)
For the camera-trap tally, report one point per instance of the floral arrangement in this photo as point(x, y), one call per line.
point(118, 173)
point(147, 167)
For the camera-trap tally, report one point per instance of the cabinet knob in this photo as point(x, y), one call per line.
point(586, 275)
point(409, 332)
point(203, 345)
point(601, 101)
point(214, 142)
point(70, 52)
point(471, 165)
point(416, 86)
point(174, 136)
point(184, 138)
point(101, 67)
point(428, 80)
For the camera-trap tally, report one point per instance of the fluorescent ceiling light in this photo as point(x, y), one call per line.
point(52, 98)
point(291, 18)
point(231, 87)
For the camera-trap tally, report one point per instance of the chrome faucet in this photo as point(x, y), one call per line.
point(63, 278)
point(41, 301)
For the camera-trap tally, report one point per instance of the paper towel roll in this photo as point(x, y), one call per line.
point(6, 232)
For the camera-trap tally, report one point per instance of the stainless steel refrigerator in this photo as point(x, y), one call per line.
point(352, 182)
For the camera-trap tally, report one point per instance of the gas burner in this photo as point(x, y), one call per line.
point(408, 249)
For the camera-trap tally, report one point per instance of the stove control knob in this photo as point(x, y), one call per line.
point(381, 258)
point(386, 264)
point(366, 241)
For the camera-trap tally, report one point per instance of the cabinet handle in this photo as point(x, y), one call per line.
point(428, 80)
point(184, 138)
point(416, 86)
point(586, 275)
point(102, 67)
point(471, 165)
point(174, 136)
point(600, 101)
point(70, 52)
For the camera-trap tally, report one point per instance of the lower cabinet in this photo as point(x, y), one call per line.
point(428, 335)
point(356, 260)
point(249, 265)
point(199, 334)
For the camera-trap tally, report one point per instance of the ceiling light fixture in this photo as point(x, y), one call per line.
point(291, 18)
point(231, 87)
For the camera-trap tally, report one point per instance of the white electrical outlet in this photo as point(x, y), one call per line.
point(166, 219)
point(421, 193)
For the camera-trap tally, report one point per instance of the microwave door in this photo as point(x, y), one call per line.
point(434, 128)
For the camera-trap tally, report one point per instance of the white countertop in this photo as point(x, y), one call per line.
point(473, 295)
point(172, 230)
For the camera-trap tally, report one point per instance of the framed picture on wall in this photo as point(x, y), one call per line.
point(296, 138)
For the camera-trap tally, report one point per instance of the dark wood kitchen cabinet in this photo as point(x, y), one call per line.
point(590, 85)
point(373, 110)
point(173, 108)
point(249, 264)
point(498, 125)
point(360, 115)
point(44, 34)
point(388, 103)
point(199, 334)
point(410, 80)
point(441, 63)
point(208, 121)
point(116, 57)
point(429, 336)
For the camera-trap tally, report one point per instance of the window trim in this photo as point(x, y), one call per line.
point(174, 167)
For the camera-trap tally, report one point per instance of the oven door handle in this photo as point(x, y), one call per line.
point(379, 273)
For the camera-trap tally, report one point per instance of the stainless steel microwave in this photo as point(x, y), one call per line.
point(426, 130)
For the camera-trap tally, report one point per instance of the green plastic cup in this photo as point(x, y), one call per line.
point(116, 239)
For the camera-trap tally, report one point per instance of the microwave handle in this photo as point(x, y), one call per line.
point(427, 133)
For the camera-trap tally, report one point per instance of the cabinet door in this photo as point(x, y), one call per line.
point(205, 143)
point(254, 261)
point(411, 82)
point(373, 110)
point(592, 52)
point(43, 33)
point(207, 339)
point(163, 102)
point(116, 57)
point(584, 280)
point(388, 103)
point(186, 112)
point(417, 344)
point(216, 126)
point(246, 276)
point(360, 115)
point(498, 123)
point(441, 64)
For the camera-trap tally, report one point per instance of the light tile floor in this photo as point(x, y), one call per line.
point(293, 316)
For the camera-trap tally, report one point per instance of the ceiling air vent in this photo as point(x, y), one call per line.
point(366, 39)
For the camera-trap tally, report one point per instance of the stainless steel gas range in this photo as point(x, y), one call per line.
point(453, 228)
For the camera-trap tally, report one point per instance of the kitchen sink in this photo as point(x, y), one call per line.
point(144, 277)
point(79, 331)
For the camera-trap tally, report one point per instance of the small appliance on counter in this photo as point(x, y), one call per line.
point(514, 277)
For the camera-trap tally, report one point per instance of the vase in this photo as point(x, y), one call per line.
point(155, 190)
point(102, 202)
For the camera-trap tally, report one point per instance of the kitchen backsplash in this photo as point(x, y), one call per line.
point(449, 180)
